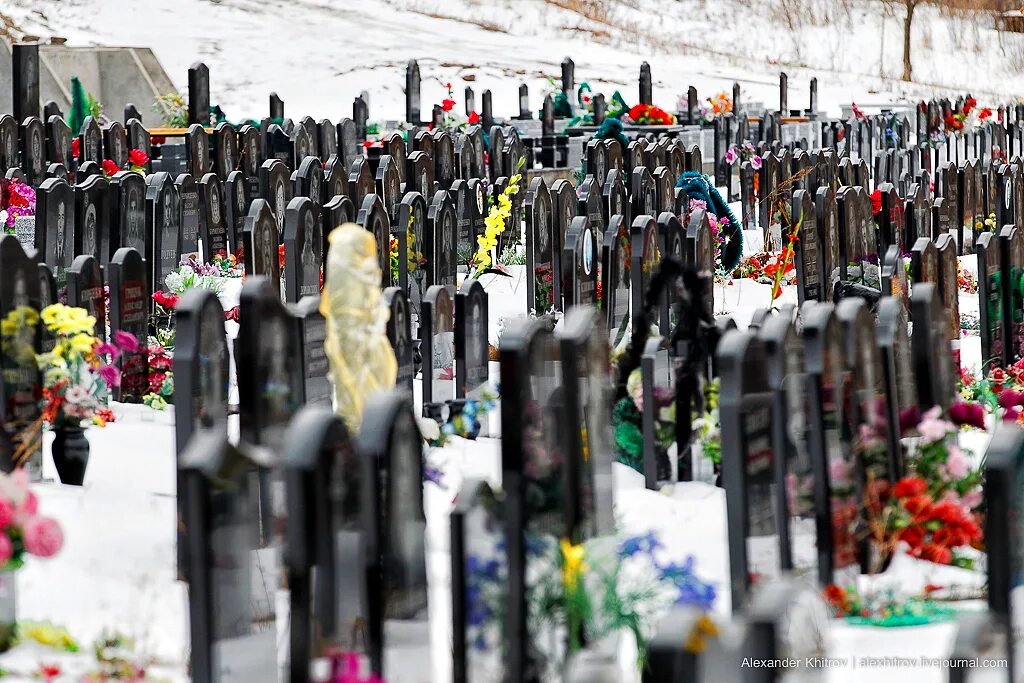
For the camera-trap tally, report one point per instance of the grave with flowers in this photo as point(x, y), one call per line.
point(641, 395)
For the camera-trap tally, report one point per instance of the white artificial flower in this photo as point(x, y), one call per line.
point(174, 282)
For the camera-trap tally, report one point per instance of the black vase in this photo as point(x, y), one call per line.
point(70, 454)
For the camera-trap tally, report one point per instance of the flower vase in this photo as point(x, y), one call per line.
point(70, 454)
point(8, 609)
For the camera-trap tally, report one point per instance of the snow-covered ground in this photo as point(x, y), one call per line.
point(319, 54)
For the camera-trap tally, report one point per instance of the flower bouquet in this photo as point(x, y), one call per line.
point(23, 531)
point(17, 200)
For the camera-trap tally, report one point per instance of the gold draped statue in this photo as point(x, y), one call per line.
point(362, 360)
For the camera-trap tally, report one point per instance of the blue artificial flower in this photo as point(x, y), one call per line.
point(433, 475)
point(692, 591)
point(646, 543)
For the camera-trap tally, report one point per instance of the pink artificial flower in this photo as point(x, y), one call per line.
point(6, 513)
point(957, 463)
point(1009, 398)
point(731, 156)
point(29, 507)
point(973, 414)
point(106, 349)
point(755, 162)
point(110, 375)
point(43, 537)
point(6, 549)
point(838, 471)
point(971, 500)
point(1012, 414)
point(127, 341)
point(932, 427)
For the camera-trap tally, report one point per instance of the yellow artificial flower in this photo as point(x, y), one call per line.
point(47, 634)
point(697, 642)
point(82, 344)
point(573, 565)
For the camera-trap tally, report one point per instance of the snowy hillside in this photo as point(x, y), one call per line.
point(319, 54)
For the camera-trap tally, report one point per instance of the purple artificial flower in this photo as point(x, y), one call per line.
point(106, 349)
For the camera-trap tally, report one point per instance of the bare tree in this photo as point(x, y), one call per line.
point(908, 20)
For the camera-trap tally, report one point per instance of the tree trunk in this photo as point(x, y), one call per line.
point(907, 67)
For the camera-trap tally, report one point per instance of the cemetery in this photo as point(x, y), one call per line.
point(596, 389)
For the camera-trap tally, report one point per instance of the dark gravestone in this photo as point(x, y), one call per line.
point(924, 261)
point(302, 244)
point(479, 570)
point(399, 333)
point(92, 218)
point(644, 259)
point(25, 74)
point(8, 143)
point(990, 300)
point(308, 181)
point(90, 141)
point(388, 186)
point(48, 295)
point(197, 151)
point(225, 150)
point(444, 159)
point(335, 179)
point(471, 340)
point(810, 277)
point(315, 368)
point(336, 212)
point(33, 150)
point(643, 194)
point(440, 241)
point(348, 142)
point(699, 251)
point(115, 142)
point(1011, 249)
point(219, 505)
point(276, 190)
point(129, 312)
point(878, 468)
point(360, 181)
point(784, 354)
point(580, 264)
point(163, 225)
point(22, 386)
point(929, 344)
point(138, 139)
point(327, 529)
point(890, 231)
point(948, 282)
point(540, 255)
point(897, 372)
point(58, 142)
point(199, 94)
point(270, 386)
point(236, 206)
point(201, 382)
point(374, 219)
point(251, 158)
point(55, 226)
point(827, 445)
point(967, 191)
point(214, 229)
point(747, 462)
point(85, 290)
point(588, 449)
point(827, 222)
point(533, 476)
point(260, 240)
point(128, 212)
point(391, 441)
point(437, 346)
point(563, 204)
point(893, 276)
point(188, 203)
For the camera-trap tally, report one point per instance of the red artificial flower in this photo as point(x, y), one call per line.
point(232, 314)
point(447, 104)
point(109, 168)
point(76, 147)
point(918, 505)
point(935, 553)
point(876, 202)
point(473, 118)
point(912, 536)
point(909, 486)
point(280, 255)
point(448, 86)
point(137, 157)
point(158, 139)
point(166, 300)
point(638, 111)
point(973, 415)
point(969, 104)
point(367, 143)
point(836, 597)
point(984, 114)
